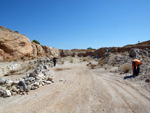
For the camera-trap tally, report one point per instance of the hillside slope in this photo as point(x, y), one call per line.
point(14, 45)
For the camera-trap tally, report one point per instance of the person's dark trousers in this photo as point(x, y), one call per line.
point(134, 71)
point(137, 70)
point(54, 63)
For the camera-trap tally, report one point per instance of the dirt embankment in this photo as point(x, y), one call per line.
point(78, 89)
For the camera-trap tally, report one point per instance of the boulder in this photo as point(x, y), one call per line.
point(22, 84)
point(134, 52)
point(8, 82)
point(14, 89)
point(2, 81)
point(40, 76)
point(36, 84)
point(7, 93)
point(15, 82)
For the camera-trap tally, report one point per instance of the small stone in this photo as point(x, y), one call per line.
point(3, 88)
point(42, 83)
point(27, 82)
point(7, 93)
point(14, 89)
point(40, 76)
point(32, 74)
point(2, 81)
point(48, 82)
point(60, 80)
point(21, 83)
point(15, 83)
point(49, 79)
point(147, 80)
point(28, 88)
point(45, 66)
point(34, 87)
point(30, 79)
point(36, 84)
point(13, 93)
point(37, 71)
point(8, 82)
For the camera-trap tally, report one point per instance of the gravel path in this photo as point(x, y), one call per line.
point(78, 89)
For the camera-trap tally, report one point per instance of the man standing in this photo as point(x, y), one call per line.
point(136, 67)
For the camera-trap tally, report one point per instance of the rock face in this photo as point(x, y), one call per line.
point(39, 50)
point(14, 45)
point(65, 53)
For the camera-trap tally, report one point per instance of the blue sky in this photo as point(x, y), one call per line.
point(69, 24)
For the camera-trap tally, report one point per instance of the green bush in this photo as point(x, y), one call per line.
point(89, 48)
point(16, 31)
point(35, 41)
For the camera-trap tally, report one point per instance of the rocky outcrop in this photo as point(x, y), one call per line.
point(14, 45)
point(39, 51)
point(65, 53)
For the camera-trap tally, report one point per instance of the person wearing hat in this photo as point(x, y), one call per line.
point(136, 67)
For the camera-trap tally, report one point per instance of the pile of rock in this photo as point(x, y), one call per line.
point(38, 78)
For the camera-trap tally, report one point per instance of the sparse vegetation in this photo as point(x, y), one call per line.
point(62, 62)
point(89, 48)
point(35, 41)
point(126, 68)
point(16, 31)
point(71, 60)
point(93, 66)
point(61, 69)
point(22, 58)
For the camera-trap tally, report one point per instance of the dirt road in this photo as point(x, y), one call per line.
point(78, 89)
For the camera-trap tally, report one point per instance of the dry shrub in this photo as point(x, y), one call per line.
point(126, 68)
point(93, 66)
point(58, 69)
point(62, 62)
point(61, 69)
point(71, 60)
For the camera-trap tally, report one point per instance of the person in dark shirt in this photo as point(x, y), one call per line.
point(54, 60)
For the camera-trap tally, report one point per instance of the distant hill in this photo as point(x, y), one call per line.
point(145, 43)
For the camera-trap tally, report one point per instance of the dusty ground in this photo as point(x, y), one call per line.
point(78, 89)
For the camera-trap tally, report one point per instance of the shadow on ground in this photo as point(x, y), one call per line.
point(128, 77)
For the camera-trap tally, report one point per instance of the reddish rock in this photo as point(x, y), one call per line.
point(14, 45)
